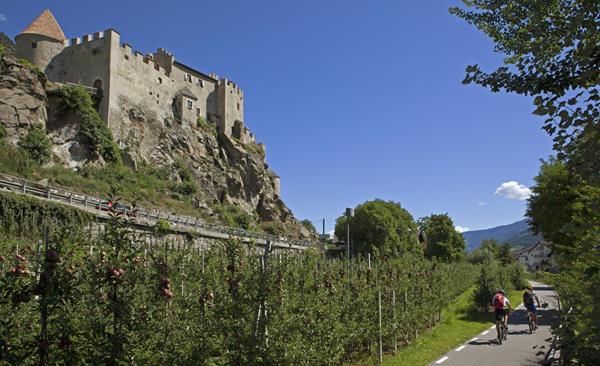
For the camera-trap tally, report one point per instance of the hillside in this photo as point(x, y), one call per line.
point(516, 234)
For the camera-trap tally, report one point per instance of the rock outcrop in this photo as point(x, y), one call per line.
point(22, 97)
point(227, 170)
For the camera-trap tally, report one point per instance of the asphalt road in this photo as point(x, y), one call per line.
point(521, 348)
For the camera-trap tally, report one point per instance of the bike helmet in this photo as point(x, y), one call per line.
point(529, 287)
point(500, 290)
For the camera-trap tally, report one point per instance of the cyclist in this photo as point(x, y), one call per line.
point(501, 306)
point(528, 297)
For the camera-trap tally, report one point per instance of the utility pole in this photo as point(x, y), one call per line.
point(349, 215)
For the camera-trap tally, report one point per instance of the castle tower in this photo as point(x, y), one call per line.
point(231, 108)
point(41, 41)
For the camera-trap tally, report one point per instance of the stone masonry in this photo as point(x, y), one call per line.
point(156, 81)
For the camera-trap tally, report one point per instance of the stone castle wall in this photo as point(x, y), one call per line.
point(85, 60)
point(154, 82)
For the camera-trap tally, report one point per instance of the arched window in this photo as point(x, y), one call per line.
point(97, 84)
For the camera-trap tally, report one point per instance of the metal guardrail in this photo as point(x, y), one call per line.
point(81, 200)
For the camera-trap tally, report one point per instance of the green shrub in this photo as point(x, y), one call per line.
point(29, 65)
point(2, 130)
point(206, 126)
point(37, 145)
point(162, 227)
point(76, 100)
point(273, 228)
point(185, 188)
point(255, 148)
point(15, 161)
point(234, 216)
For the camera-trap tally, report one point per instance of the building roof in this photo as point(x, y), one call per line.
point(46, 25)
point(187, 92)
point(190, 69)
point(532, 247)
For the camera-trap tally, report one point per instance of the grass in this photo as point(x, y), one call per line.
point(461, 321)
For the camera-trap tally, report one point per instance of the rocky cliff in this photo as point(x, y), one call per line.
point(22, 97)
point(226, 171)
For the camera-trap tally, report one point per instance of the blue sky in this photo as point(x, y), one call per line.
point(355, 100)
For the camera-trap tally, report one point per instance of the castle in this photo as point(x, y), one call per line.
point(114, 70)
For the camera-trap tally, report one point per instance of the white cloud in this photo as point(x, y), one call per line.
point(3, 18)
point(481, 203)
point(513, 190)
point(461, 229)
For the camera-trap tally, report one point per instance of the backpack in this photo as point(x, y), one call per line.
point(498, 301)
point(528, 297)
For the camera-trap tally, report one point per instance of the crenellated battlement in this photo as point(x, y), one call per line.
point(86, 38)
point(142, 60)
point(231, 85)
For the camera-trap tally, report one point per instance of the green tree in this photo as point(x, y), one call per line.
point(552, 50)
point(486, 253)
point(443, 241)
point(380, 227)
point(309, 225)
point(505, 255)
point(552, 204)
point(480, 256)
point(37, 145)
point(492, 246)
point(552, 53)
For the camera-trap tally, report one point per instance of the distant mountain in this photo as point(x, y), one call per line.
point(516, 234)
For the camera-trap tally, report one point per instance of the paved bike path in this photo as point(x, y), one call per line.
point(521, 348)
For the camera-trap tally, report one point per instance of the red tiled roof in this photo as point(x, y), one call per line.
point(45, 25)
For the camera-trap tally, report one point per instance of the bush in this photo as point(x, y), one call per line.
point(37, 145)
point(494, 276)
point(162, 227)
point(273, 228)
point(207, 127)
point(13, 160)
point(2, 131)
point(76, 100)
point(234, 216)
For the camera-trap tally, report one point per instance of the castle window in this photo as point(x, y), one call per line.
point(188, 77)
point(190, 105)
point(200, 83)
point(197, 112)
point(238, 106)
point(126, 57)
point(160, 80)
point(34, 45)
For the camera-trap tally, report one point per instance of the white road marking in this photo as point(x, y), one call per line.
point(493, 327)
point(441, 360)
point(486, 332)
point(460, 348)
point(473, 340)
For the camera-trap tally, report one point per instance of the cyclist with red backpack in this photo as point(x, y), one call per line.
point(502, 307)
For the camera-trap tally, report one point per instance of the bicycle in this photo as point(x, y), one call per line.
point(530, 320)
point(503, 330)
point(532, 326)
